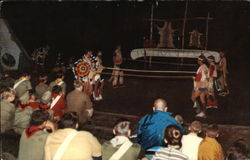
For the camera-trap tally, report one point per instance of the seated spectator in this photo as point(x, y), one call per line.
point(7, 109)
point(22, 119)
point(6, 80)
point(45, 100)
point(33, 138)
point(172, 140)
point(68, 143)
point(209, 148)
point(238, 151)
point(191, 142)
point(120, 147)
point(22, 87)
point(59, 81)
point(42, 87)
point(150, 130)
point(29, 101)
point(58, 103)
point(179, 119)
point(23, 114)
point(79, 102)
point(32, 100)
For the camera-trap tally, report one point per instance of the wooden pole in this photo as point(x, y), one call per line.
point(151, 30)
point(207, 30)
point(151, 22)
point(184, 25)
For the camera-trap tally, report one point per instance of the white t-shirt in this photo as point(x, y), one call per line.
point(190, 146)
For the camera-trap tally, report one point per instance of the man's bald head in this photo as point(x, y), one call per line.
point(160, 104)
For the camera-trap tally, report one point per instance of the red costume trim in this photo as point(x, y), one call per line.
point(212, 69)
point(198, 76)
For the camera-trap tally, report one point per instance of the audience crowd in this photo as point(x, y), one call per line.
point(50, 122)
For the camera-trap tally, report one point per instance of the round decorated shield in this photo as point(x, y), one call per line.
point(81, 69)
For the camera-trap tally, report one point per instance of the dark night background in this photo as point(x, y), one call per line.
point(69, 27)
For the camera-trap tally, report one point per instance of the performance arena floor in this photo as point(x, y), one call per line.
point(140, 92)
point(138, 97)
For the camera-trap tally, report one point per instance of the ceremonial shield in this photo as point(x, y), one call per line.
point(81, 69)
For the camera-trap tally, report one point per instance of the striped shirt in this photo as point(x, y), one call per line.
point(169, 153)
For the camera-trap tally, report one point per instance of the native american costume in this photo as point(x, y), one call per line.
point(98, 81)
point(211, 101)
point(201, 79)
point(200, 87)
point(39, 56)
point(84, 70)
point(117, 73)
point(222, 76)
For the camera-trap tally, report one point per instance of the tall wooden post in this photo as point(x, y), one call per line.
point(151, 22)
point(207, 31)
point(151, 31)
point(183, 27)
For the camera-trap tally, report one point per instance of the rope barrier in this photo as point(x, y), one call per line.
point(158, 62)
point(148, 71)
point(151, 76)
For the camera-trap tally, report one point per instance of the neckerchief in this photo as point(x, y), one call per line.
point(33, 104)
point(31, 131)
point(23, 106)
point(41, 84)
point(44, 106)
